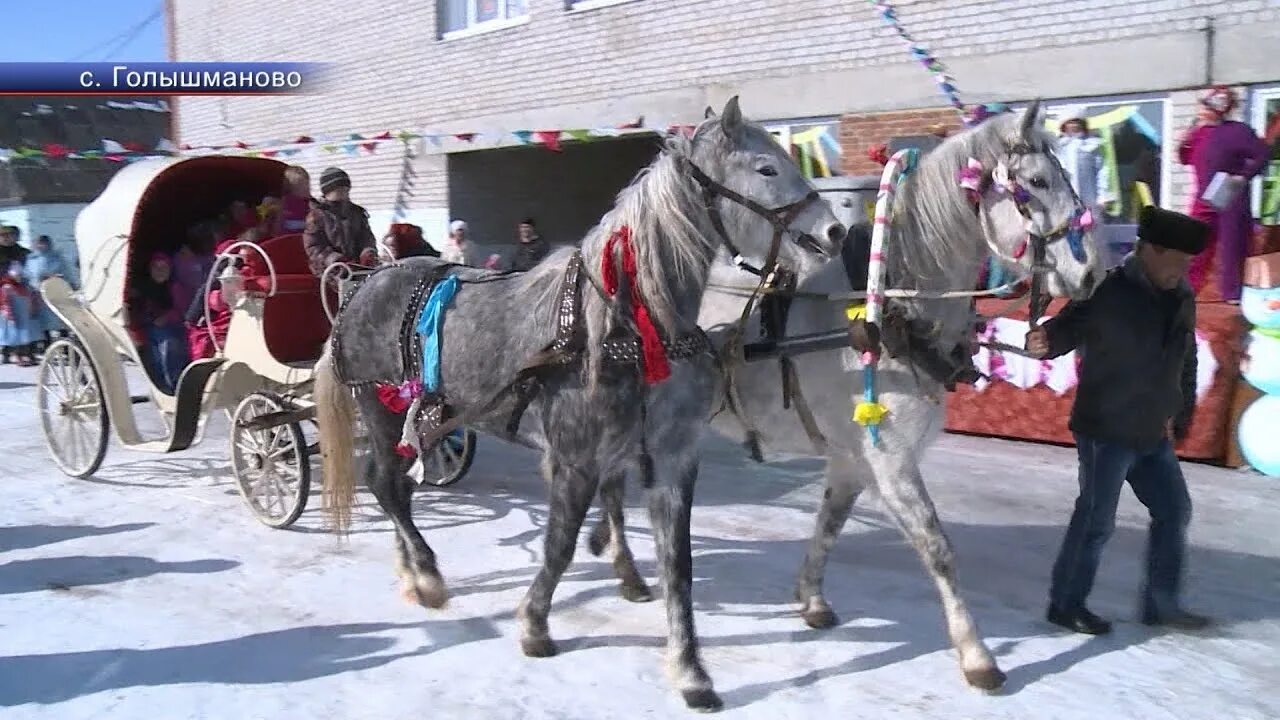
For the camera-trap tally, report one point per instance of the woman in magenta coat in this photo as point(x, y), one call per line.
point(1213, 145)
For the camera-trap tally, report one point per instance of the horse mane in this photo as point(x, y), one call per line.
point(672, 248)
point(937, 241)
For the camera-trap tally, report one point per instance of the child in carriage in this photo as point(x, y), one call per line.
point(18, 305)
point(201, 334)
point(155, 322)
point(337, 229)
point(295, 203)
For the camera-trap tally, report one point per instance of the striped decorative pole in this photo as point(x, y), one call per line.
point(870, 412)
point(921, 54)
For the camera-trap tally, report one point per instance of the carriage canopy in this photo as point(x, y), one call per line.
point(149, 206)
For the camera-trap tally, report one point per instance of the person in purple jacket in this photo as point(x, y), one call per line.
point(1212, 145)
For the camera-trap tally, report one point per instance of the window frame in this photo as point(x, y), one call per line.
point(1168, 146)
point(1257, 119)
point(472, 27)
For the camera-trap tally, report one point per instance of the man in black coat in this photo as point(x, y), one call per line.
point(1136, 337)
point(532, 247)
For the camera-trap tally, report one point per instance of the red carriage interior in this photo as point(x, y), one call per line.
point(294, 322)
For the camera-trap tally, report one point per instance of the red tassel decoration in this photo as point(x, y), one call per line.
point(392, 399)
point(405, 450)
point(656, 366)
point(1021, 250)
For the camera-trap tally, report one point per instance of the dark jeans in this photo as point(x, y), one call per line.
point(1157, 480)
point(169, 355)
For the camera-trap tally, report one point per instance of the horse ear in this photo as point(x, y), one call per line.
point(731, 117)
point(1031, 121)
point(709, 113)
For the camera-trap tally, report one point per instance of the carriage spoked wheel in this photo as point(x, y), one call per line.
point(271, 464)
point(450, 459)
point(73, 413)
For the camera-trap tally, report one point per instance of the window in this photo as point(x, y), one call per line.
point(458, 17)
point(1266, 122)
point(1130, 135)
point(814, 145)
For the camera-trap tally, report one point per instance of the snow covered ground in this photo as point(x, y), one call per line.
point(150, 592)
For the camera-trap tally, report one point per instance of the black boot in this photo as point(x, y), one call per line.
point(1081, 621)
point(1176, 619)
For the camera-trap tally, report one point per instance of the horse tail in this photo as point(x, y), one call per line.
point(336, 416)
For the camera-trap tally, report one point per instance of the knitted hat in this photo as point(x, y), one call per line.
point(332, 179)
point(1220, 99)
point(1172, 230)
point(457, 225)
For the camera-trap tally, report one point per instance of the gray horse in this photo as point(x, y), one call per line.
point(939, 241)
point(729, 183)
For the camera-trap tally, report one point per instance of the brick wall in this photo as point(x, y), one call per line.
point(861, 131)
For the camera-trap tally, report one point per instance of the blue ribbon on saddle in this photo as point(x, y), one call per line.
point(429, 329)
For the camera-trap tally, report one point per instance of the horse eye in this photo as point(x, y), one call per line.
point(768, 171)
point(846, 203)
point(1039, 182)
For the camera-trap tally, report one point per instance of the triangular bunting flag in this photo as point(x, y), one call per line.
point(605, 132)
point(466, 137)
point(550, 138)
point(54, 150)
point(383, 136)
point(371, 147)
point(134, 147)
point(579, 135)
point(270, 153)
point(111, 146)
point(329, 148)
point(634, 125)
point(166, 146)
point(302, 139)
point(355, 136)
point(242, 145)
point(522, 135)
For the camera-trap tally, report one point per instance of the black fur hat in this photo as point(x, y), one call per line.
point(1172, 230)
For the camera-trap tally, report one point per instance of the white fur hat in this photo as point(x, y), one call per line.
point(457, 225)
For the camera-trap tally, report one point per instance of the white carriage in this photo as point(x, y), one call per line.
point(261, 375)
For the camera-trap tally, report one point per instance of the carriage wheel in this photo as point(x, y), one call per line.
point(73, 412)
point(451, 458)
point(271, 465)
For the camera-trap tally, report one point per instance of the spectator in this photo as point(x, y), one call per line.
point(455, 246)
point(1136, 336)
point(337, 229)
point(43, 263)
point(532, 247)
point(10, 250)
point(17, 316)
point(404, 241)
point(1081, 156)
point(1216, 145)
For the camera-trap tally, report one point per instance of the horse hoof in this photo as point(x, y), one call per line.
point(986, 679)
point(538, 647)
point(430, 593)
point(635, 593)
point(703, 700)
point(820, 618)
point(598, 540)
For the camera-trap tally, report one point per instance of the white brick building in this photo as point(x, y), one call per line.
point(540, 64)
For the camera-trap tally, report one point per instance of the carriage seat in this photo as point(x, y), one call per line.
point(293, 320)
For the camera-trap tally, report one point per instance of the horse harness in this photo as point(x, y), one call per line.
point(623, 348)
